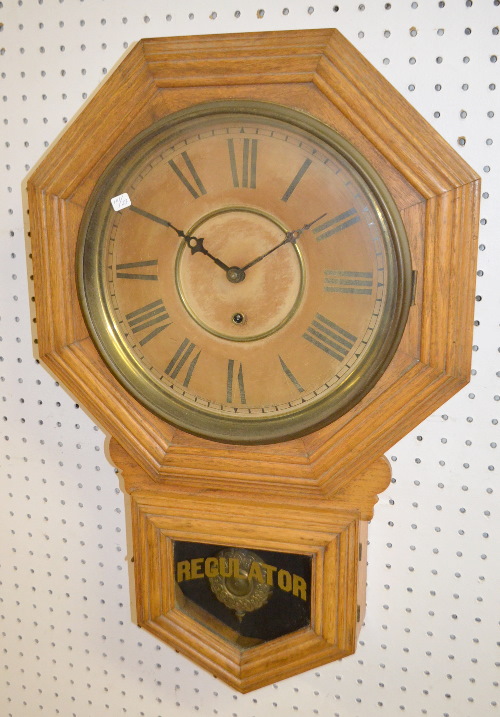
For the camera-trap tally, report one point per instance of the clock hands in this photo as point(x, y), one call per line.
point(234, 274)
point(290, 238)
point(195, 244)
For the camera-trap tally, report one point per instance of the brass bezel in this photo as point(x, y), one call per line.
point(264, 428)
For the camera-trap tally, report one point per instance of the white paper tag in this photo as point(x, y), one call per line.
point(122, 201)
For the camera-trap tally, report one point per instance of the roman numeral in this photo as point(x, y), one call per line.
point(296, 180)
point(153, 314)
point(120, 274)
point(329, 337)
point(348, 282)
point(337, 224)
point(248, 178)
point(180, 357)
point(290, 375)
point(235, 380)
point(193, 176)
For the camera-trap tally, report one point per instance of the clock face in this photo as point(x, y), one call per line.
point(249, 282)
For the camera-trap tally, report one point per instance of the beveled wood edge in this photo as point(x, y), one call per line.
point(131, 88)
point(235, 58)
point(453, 219)
point(279, 43)
point(49, 211)
point(85, 376)
point(362, 573)
point(332, 464)
point(432, 388)
point(306, 652)
point(237, 467)
point(373, 105)
point(360, 493)
point(188, 512)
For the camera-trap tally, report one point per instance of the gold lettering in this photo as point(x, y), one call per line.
point(225, 567)
point(234, 565)
point(196, 569)
point(299, 587)
point(211, 565)
point(255, 572)
point(270, 570)
point(284, 580)
point(183, 570)
point(230, 567)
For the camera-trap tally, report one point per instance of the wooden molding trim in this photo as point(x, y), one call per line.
point(359, 494)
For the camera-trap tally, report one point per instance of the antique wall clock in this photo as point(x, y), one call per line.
point(254, 265)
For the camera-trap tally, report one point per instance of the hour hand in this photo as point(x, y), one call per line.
point(195, 245)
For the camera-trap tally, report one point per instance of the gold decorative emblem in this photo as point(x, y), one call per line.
point(241, 583)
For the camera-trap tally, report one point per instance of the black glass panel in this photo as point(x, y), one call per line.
point(259, 595)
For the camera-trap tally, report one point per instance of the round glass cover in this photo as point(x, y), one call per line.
point(250, 280)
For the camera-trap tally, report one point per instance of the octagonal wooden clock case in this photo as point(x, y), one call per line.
point(254, 266)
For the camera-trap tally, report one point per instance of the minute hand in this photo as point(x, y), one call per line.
point(290, 238)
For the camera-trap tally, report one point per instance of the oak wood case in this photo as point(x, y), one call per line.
point(332, 474)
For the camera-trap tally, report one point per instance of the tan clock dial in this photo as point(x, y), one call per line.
point(257, 284)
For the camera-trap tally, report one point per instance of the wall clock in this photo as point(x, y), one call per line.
point(255, 268)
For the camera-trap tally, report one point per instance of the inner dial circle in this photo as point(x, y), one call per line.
point(271, 291)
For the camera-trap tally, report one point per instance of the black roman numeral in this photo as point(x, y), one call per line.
point(179, 359)
point(235, 380)
point(293, 184)
point(337, 224)
point(348, 282)
point(329, 337)
point(193, 176)
point(153, 314)
point(290, 375)
point(120, 274)
point(248, 178)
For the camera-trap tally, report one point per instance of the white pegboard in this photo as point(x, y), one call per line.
point(430, 640)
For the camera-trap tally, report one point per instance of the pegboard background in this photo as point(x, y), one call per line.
point(68, 646)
